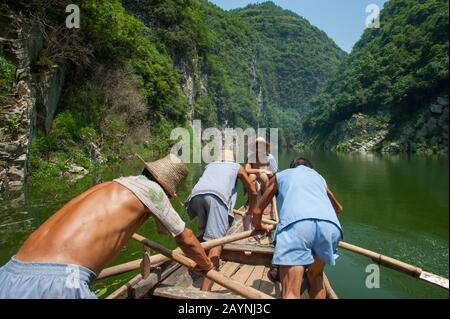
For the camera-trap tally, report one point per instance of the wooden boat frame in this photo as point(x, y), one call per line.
point(162, 278)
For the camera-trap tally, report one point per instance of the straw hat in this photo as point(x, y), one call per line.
point(226, 155)
point(169, 172)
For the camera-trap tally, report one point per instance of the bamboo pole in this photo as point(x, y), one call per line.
point(207, 244)
point(275, 209)
point(264, 220)
point(217, 277)
point(120, 269)
point(156, 260)
point(331, 294)
point(123, 291)
point(397, 265)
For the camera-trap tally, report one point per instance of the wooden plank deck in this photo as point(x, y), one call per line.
point(238, 264)
point(181, 284)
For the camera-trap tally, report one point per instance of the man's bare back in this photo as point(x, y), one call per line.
point(63, 256)
point(89, 230)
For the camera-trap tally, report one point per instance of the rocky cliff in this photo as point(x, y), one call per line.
point(391, 94)
point(31, 104)
point(426, 132)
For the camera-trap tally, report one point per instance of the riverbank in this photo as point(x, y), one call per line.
point(76, 164)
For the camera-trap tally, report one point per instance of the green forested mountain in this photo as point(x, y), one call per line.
point(137, 69)
point(257, 66)
point(121, 90)
point(293, 56)
point(228, 72)
point(391, 93)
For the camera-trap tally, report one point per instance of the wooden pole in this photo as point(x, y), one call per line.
point(397, 265)
point(120, 269)
point(275, 209)
point(207, 244)
point(264, 220)
point(217, 277)
point(331, 294)
point(158, 259)
point(138, 286)
point(122, 292)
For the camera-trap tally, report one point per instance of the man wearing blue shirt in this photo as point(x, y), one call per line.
point(308, 232)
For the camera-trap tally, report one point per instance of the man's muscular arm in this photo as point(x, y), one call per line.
point(250, 170)
point(336, 205)
point(191, 247)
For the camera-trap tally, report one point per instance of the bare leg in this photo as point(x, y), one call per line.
point(247, 220)
point(252, 177)
point(291, 281)
point(264, 180)
point(274, 273)
point(214, 256)
point(315, 279)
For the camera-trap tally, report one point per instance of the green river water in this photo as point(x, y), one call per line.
point(394, 205)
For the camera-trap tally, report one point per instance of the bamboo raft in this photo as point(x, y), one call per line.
point(245, 262)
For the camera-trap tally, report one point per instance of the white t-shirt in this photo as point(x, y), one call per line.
point(156, 200)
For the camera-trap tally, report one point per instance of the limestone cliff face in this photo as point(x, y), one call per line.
point(192, 81)
point(425, 132)
point(32, 104)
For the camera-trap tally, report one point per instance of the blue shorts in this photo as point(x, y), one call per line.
point(213, 216)
point(33, 280)
point(298, 243)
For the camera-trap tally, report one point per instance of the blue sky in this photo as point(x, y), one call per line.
point(343, 20)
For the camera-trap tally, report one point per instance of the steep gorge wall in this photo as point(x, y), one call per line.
point(425, 132)
point(32, 104)
point(391, 94)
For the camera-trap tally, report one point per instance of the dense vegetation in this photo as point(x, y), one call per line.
point(6, 76)
point(212, 47)
point(398, 70)
point(264, 65)
point(294, 58)
point(241, 76)
point(228, 66)
point(140, 68)
point(124, 91)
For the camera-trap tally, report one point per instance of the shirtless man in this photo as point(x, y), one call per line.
point(66, 253)
point(260, 167)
